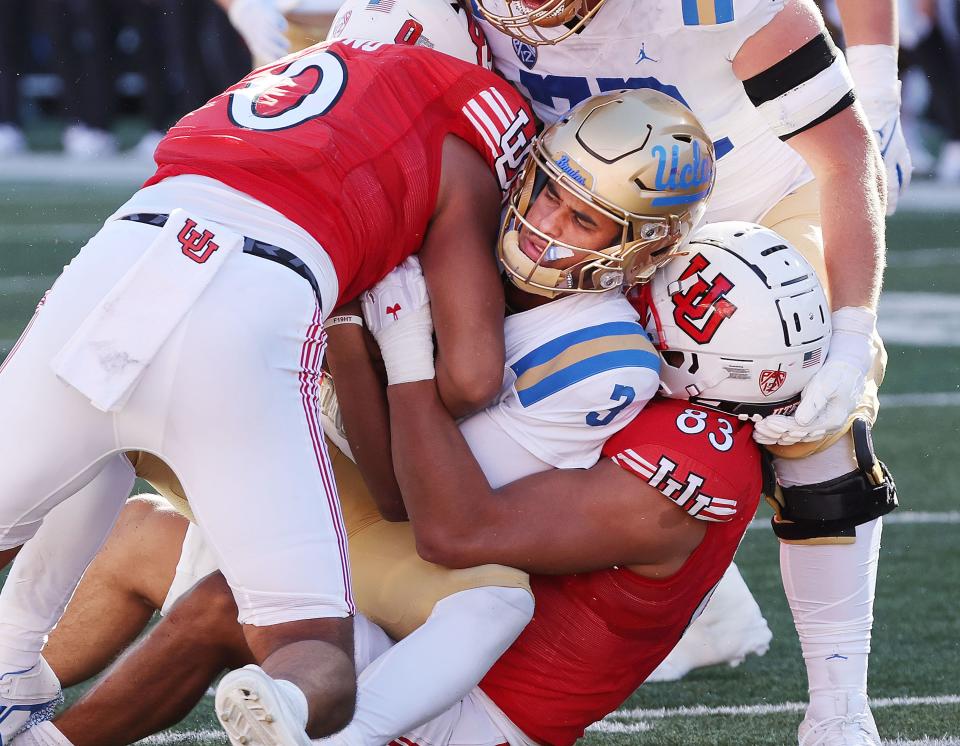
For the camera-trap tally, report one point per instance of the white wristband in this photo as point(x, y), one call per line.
point(345, 318)
point(873, 68)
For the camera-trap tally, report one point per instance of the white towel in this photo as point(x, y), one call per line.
point(107, 355)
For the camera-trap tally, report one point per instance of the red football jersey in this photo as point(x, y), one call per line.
point(345, 140)
point(595, 637)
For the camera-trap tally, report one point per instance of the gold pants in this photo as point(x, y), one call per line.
point(797, 218)
point(392, 585)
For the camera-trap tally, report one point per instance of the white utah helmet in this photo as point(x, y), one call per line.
point(437, 24)
point(741, 321)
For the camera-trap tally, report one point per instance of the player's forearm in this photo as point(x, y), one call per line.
point(873, 22)
point(363, 406)
point(852, 208)
point(852, 184)
point(445, 491)
point(466, 389)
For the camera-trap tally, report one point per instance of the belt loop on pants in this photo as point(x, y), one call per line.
point(250, 246)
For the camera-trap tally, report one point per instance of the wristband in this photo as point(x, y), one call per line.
point(873, 68)
point(344, 318)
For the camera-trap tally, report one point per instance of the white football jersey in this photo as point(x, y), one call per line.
point(577, 371)
point(683, 48)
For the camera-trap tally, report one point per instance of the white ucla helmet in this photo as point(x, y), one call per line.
point(437, 24)
point(741, 321)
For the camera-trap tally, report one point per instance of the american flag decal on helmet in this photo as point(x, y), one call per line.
point(812, 358)
point(383, 6)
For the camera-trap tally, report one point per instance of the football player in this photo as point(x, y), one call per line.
point(272, 28)
point(648, 530)
point(793, 153)
point(191, 327)
point(586, 214)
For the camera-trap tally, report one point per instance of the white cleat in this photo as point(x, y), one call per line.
point(86, 143)
point(27, 697)
point(254, 711)
point(854, 727)
point(711, 646)
point(730, 628)
point(12, 141)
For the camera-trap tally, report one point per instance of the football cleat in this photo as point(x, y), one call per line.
point(854, 726)
point(27, 697)
point(255, 711)
point(730, 628)
point(712, 645)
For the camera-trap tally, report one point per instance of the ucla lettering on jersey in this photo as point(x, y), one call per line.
point(683, 48)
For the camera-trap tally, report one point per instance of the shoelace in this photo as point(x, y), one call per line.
point(843, 726)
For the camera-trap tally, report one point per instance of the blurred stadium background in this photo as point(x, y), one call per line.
point(86, 89)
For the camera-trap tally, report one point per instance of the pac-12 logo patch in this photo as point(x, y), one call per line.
point(771, 381)
point(526, 53)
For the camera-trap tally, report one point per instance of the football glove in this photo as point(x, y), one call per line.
point(874, 71)
point(397, 313)
point(262, 26)
point(835, 391)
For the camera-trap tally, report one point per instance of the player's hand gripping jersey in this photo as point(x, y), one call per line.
point(683, 48)
point(345, 140)
point(595, 637)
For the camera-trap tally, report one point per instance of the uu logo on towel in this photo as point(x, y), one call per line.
point(196, 245)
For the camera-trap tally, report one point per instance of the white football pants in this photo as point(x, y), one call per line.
point(229, 402)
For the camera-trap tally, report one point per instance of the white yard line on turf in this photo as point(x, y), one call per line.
point(54, 168)
point(930, 257)
point(33, 232)
point(612, 724)
point(605, 726)
point(704, 711)
point(929, 399)
point(184, 736)
point(900, 517)
point(919, 319)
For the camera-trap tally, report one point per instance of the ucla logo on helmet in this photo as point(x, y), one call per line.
point(526, 53)
point(671, 176)
point(573, 170)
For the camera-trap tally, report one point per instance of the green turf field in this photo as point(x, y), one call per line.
point(914, 677)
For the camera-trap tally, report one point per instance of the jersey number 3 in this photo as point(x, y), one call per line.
point(277, 100)
point(620, 392)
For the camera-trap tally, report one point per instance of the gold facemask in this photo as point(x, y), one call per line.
point(638, 157)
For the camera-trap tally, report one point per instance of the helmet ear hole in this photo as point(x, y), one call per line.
point(673, 358)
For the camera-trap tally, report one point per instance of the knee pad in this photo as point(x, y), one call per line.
point(829, 512)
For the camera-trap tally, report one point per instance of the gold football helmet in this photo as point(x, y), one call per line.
point(641, 160)
point(526, 19)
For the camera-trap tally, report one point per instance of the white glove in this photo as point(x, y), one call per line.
point(397, 313)
point(262, 26)
point(874, 71)
point(835, 390)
